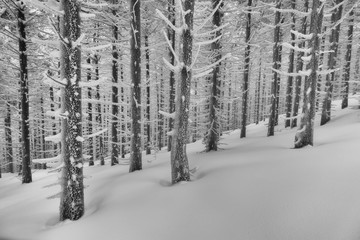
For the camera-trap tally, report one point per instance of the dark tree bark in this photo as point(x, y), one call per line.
point(345, 101)
point(289, 88)
point(135, 66)
point(299, 67)
point(114, 96)
point(179, 161)
point(245, 88)
point(72, 196)
point(214, 127)
point(24, 92)
point(171, 36)
point(330, 78)
point(148, 125)
point(305, 134)
point(8, 139)
point(276, 66)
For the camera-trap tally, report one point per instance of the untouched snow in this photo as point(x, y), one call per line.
point(256, 188)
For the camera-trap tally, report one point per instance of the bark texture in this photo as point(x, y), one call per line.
point(135, 65)
point(72, 196)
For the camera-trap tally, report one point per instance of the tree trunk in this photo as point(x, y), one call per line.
point(289, 88)
point(148, 125)
point(114, 97)
point(214, 127)
point(345, 101)
point(72, 196)
point(98, 111)
point(179, 161)
point(304, 135)
point(276, 66)
point(135, 65)
point(90, 118)
point(245, 88)
point(171, 36)
point(24, 92)
point(8, 139)
point(330, 78)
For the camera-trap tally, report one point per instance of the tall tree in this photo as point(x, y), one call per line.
point(214, 129)
point(179, 161)
point(72, 196)
point(135, 70)
point(24, 92)
point(305, 133)
point(245, 88)
point(171, 36)
point(346, 76)
point(8, 139)
point(289, 88)
point(276, 67)
point(334, 45)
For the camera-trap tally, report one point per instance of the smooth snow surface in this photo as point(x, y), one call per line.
point(257, 188)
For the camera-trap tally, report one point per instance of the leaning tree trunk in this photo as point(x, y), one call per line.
point(24, 92)
point(289, 88)
point(246, 73)
point(171, 37)
point(345, 101)
point(179, 160)
point(214, 127)
point(330, 78)
point(135, 65)
point(276, 67)
point(299, 67)
point(72, 196)
point(304, 135)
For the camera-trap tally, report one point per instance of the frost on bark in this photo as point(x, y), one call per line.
point(304, 135)
point(214, 128)
point(345, 100)
point(171, 37)
point(330, 78)
point(135, 65)
point(24, 93)
point(299, 67)
point(289, 88)
point(72, 195)
point(276, 66)
point(90, 117)
point(148, 125)
point(179, 160)
point(114, 95)
point(245, 88)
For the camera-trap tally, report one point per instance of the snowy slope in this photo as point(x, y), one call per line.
point(256, 188)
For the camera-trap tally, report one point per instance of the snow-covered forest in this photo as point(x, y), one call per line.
point(179, 119)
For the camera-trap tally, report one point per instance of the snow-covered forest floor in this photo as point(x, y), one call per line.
point(257, 188)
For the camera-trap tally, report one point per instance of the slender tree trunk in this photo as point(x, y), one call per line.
point(72, 196)
point(90, 118)
point(99, 111)
point(299, 67)
point(345, 101)
point(276, 66)
point(115, 98)
point(258, 93)
point(123, 114)
point(24, 92)
point(214, 127)
point(135, 65)
point(246, 73)
point(304, 135)
point(171, 36)
point(330, 78)
point(179, 160)
point(148, 125)
point(289, 89)
point(8, 139)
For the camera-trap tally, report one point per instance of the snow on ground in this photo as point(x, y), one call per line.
point(256, 188)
